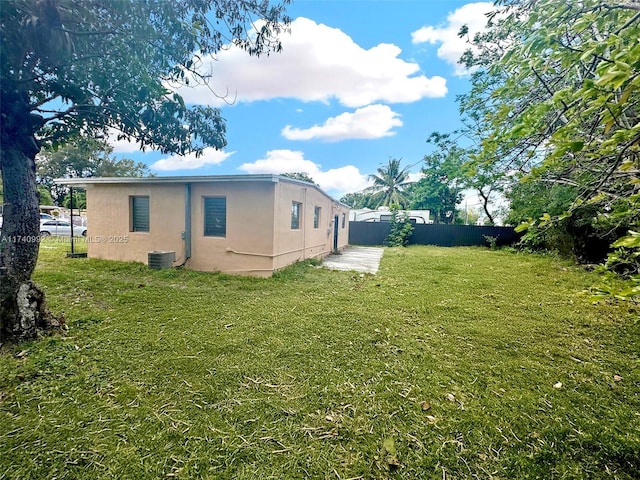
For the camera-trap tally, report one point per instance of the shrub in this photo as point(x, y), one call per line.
point(401, 229)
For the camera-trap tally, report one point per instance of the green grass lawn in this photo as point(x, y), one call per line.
point(450, 363)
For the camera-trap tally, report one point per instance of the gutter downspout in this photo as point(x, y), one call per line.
point(187, 222)
point(186, 234)
point(302, 222)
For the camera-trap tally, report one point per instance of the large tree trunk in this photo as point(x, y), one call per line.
point(23, 312)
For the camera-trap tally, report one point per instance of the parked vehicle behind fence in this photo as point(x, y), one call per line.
point(60, 228)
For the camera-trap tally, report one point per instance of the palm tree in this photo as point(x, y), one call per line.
point(389, 185)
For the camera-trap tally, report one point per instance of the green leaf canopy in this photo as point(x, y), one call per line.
point(85, 65)
point(389, 185)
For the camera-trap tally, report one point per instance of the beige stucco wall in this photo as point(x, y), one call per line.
point(108, 234)
point(306, 242)
point(258, 240)
point(248, 245)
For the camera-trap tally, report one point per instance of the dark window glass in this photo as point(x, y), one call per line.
point(215, 216)
point(316, 217)
point(296, 209)
point(139, 214)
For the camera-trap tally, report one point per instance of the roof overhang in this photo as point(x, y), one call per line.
point(84, 182)
point(81, 182)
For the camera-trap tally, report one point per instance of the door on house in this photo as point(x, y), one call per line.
point(335, 233)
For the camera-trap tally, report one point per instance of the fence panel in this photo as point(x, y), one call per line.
point(374, 233)
point(368, 233)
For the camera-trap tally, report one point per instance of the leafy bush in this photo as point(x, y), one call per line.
point(492, 242)
point(624, 262)
point(401, 229)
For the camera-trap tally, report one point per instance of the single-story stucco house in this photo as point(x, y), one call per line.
point(241, 224)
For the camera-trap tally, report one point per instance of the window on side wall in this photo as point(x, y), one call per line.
point(344, 219)
point(139, 214)
point(215, 216)
point(316, 217)
point(296, 211)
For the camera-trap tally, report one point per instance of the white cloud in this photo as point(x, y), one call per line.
point(373, 121)
point(209, 156)
point(317, 63)
point(415, 176)
point(281, 161)
point(121, 146)
point(335, 181)
point(342, 180)
point(451, 45)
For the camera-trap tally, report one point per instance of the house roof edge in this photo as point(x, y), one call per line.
point(83, 182)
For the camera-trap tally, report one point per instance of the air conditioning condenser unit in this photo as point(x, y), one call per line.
point(161, 259)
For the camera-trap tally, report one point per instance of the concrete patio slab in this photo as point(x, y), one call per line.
point(359, 259)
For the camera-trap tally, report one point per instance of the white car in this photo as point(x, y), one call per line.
point(60, 228)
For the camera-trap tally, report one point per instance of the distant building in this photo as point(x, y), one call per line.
point(383, 214)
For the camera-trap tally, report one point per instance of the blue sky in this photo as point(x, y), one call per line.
point(358, 82)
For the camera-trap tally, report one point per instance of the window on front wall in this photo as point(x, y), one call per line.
point(296, 211)
point(344, 219)
point(215, 216)
point(139, 214)
point(316, 217)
